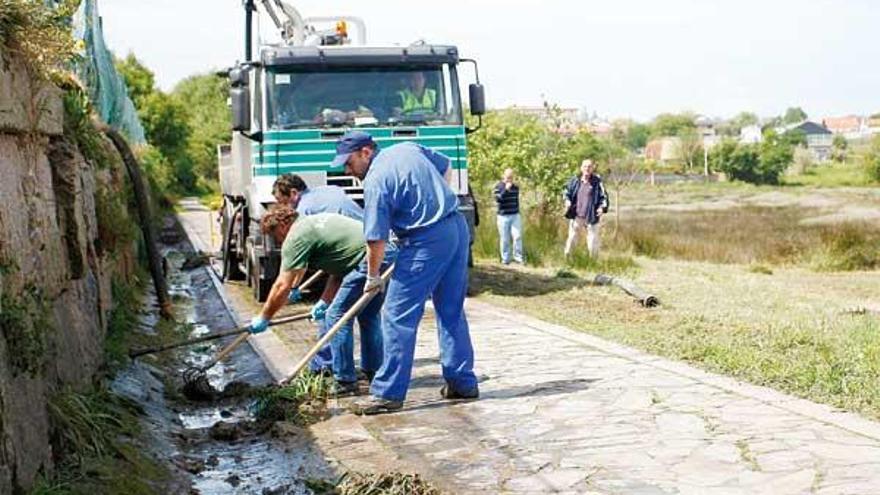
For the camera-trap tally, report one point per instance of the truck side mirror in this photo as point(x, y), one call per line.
point(238, 77)
point(477, 99)
point(241, 109)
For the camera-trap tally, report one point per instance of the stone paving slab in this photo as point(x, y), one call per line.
point(565, 412)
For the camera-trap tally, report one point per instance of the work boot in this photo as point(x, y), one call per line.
point(344, 389)
point(371, 405)
point(364, 375)
point(447, 392)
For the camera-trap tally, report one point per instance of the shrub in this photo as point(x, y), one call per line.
point(850, 247)
point(753, 163)
point(871, 160)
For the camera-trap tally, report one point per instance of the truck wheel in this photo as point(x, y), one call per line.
point(231, 267)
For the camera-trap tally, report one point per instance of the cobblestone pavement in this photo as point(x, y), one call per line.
point(565, 412)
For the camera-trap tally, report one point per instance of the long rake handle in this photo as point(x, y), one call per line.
point(315, 276)
point(220, 335)
point(226, 351)
point(351, 313)
point(246, 334)
point(227, 333)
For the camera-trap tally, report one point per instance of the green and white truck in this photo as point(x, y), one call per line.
point(292, 102)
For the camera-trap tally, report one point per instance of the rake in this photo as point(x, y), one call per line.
point(195, 379)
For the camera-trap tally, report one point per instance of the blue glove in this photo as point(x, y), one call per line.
point(295, 296)
point(258, 325)
point(319, 310)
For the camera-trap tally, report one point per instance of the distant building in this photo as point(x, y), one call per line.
point(751, 134)
point(665, 149)
point(850, 126)
point(873, 126)
point(819, 139)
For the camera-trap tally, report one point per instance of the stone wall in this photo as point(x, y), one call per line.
point(55, 276)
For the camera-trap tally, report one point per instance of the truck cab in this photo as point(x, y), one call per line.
point(291, 105)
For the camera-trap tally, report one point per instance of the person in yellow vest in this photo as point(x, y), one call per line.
point(416, 97)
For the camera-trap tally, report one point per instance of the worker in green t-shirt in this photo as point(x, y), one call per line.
point(335, 244)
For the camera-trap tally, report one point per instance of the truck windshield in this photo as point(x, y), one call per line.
point(357, 96)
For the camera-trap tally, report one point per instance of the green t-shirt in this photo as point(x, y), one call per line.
point(326, 241)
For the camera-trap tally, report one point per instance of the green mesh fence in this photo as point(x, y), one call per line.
point(96, 70)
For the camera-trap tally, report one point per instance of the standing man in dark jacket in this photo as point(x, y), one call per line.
point(585, 202)
point(509, 221)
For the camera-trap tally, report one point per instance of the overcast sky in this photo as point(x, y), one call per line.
point(623, 58)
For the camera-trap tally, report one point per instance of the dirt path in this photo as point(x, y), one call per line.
point(565, 412)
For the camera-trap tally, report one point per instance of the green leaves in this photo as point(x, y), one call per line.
point(542, 152)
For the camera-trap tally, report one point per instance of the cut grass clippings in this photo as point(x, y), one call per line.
point(354, 483)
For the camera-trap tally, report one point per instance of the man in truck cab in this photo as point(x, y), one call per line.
point(416, 97)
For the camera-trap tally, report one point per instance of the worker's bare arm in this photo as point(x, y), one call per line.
point(330, 288)
point(280, 290)
point(375, 254)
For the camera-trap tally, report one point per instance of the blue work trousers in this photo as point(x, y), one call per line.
point(339, 355)
point(510, 227)
point(431, 261)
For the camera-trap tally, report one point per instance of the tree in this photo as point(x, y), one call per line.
point(165, 125)
point(668, 124)
point(690, 147)
point(753, 163)
point(138, 78)
point(775, 156)
point(839, 148)
point(209, 121)
point(794, 115)
point(745, 119)
point(636, 136)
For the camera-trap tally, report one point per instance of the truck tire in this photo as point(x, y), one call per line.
point(231, 263)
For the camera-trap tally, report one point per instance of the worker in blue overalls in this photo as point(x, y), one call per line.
point(405, 192)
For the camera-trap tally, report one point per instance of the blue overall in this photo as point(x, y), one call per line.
point(327, 199)
point(369, 322)
point(404, 191)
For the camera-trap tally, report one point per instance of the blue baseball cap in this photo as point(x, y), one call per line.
point(350, 142)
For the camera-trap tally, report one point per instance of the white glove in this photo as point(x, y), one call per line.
point(374, 282)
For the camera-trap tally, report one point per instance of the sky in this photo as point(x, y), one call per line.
point(620, 59)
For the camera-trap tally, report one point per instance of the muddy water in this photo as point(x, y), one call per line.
point(178, 430)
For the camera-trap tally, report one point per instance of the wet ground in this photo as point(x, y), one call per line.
point(181, 430)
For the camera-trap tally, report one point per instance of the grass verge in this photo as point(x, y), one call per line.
point(788, 330)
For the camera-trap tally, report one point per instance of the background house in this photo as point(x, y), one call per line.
point(751, 134)
point(851, 126)
point(819, 139)
point(665, 149)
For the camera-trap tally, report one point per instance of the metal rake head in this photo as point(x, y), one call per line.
point(196, 385)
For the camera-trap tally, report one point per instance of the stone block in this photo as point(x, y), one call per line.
point(27, 105)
